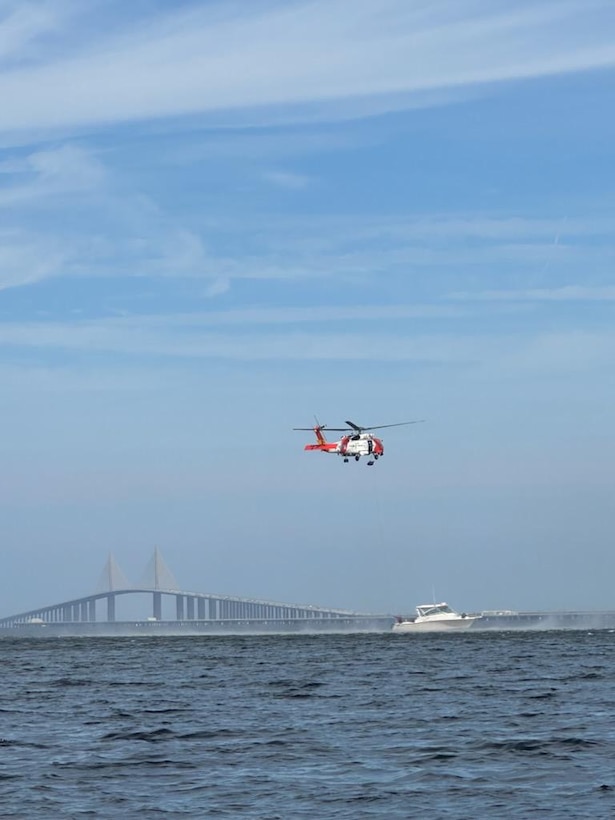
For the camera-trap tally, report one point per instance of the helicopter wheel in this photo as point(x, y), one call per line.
point(370, 463)
point(356, 458)
point(376, 457)
point(345, 461)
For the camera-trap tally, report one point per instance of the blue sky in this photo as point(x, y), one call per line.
point(220, 218)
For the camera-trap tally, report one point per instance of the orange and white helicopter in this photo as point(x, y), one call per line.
point(356, 442)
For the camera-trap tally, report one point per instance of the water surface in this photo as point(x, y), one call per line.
point(484, 725)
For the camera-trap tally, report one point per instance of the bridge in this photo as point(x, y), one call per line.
point(190, 611)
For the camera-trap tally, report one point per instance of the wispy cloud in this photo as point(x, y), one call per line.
point(314, 315)
point(25, 259)
point(193, 337)
point(289, 180)
point(83, 220)
point(24, 26)
point(504, 249)
point(262, 55)
point(200, 323)
point(262, 146)
point(48, 174)
point(437, 229)
point(567, 293)
point(67, 212)
point(130, 338)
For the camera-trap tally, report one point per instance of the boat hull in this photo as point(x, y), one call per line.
point(440, 625)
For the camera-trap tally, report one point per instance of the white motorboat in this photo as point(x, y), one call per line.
point(435, 618)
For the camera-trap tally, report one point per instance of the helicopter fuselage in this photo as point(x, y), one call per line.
point(363, 444)
point(351, 446)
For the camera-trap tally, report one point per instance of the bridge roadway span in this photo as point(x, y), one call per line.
point(189, 607)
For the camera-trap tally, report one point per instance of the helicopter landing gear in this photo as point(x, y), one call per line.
point(356, 458)
point(370, 463)
point(345, 461)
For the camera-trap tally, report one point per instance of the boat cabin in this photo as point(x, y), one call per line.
point(429, 610)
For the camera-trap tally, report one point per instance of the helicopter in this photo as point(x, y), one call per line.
point(357, 441)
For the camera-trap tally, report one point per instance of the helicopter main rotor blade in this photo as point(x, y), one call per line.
point(325, 427)
point(357, 427)
point(399, 424)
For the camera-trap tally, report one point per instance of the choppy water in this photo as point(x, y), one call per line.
point(484, 725)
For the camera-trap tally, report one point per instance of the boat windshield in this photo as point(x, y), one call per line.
point(435, 609)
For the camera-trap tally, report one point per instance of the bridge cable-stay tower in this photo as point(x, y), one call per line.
point(112, 578)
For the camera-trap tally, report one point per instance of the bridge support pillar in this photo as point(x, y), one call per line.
point(157, 606)
point(111, 608)
point(190, 608)
point(179, 601)
point(200, 608)
point(91, 611)
point(213, 609)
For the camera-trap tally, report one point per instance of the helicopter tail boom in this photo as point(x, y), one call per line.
point(323, 445)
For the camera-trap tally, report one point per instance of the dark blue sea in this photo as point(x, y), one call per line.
point(484, 725)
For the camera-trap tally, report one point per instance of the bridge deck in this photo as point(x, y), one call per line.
point(189, 607)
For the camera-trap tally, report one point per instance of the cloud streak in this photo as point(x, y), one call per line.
point(568, 293)
point(263, 55)
point(192, 337)
point(23, 26)
point(24, 262)
point(82, 220)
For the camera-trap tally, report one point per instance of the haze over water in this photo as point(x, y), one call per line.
point(347, 726)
